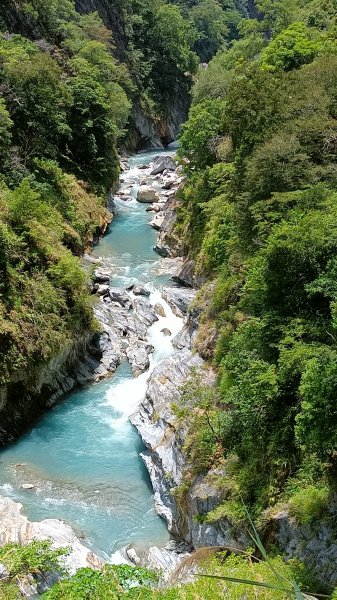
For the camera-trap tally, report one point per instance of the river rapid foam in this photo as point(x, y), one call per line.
point(82, 457)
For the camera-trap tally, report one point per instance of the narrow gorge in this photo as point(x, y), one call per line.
point(94, 478)
point(168, 299)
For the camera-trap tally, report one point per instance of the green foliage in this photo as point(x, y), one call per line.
point(223, 575)
point(62, 111)
point(211, 24)
point(258, 214)
point(113, 582)
point(229, 576)
point(308, 504)
point(5, 133)
point(315, 423)
point(34, 558)
point(198, 134)
point(160, 53)
point(291, 49)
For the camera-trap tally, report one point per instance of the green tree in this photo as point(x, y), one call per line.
point(203, 126)
point(6, 125)
point(212, 26)
point(317, 421)
point(295, 46)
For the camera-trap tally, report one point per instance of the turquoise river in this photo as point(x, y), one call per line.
point(83, 455)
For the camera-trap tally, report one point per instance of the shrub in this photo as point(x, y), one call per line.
point(308, 504)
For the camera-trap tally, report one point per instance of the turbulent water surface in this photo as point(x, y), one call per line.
point(83, 456)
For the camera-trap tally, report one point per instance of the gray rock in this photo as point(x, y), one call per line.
point(168, 243)
point(139, 290)
point(147, 194)
point(186, 276)
point(120, 297)
point(159, 309)
point(153, 208)
point(91, 259)
point(15, 527)
point(157, 221)
point(145, 311)
point(183, 339)
point(101, 276)
point(166, 332)
point(163, 163)
point(168, 184)
point(156, 424)
point(315, 545)
point(165, 561)
point(166, 462)
point(124, 165)
point(179, 299)
point(138, 357)
point(27, 486)
point(101, 290)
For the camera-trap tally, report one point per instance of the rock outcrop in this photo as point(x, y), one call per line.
point(313, 544)
point(166, 461)
point(163, 163)
point(24, 398)
point(15, 527)
point(147, 194)
point(179, 299)
point(168, 243)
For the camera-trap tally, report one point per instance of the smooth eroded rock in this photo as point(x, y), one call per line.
point(163, 163)
point(179, 299)
point(101, 290)
point(166, 332)
point(147, 194)
point(101, 276)
point(138, 357)
point(122, 298)
point(157, 221)
point(159, 309)
point(145, 311)
point(139, 290)
point(15, 527)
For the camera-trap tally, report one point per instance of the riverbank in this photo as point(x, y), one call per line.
point(82, 458)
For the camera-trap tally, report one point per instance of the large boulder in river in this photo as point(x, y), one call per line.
point(138, 357)
point(147, 194)
point(145, 311)
point(139, 290)
point(122, 298)
point(102, 276)
point(179, 299)
point(163, 163)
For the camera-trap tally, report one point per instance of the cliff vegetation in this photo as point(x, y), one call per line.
point(259, 219)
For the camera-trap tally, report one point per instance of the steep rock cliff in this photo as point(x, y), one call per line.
point(24, 398)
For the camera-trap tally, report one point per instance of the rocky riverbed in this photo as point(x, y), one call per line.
point(134, 325)
point(139, 323)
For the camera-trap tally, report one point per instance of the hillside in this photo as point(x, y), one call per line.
point(250, 88)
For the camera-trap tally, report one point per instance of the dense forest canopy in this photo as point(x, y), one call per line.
point(259, 213)
point(65, 99)
point(67, 86)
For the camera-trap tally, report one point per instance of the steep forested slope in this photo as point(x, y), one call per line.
point(259, 213)
point(62, 111)
point(65, 100)
point(72, 92)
